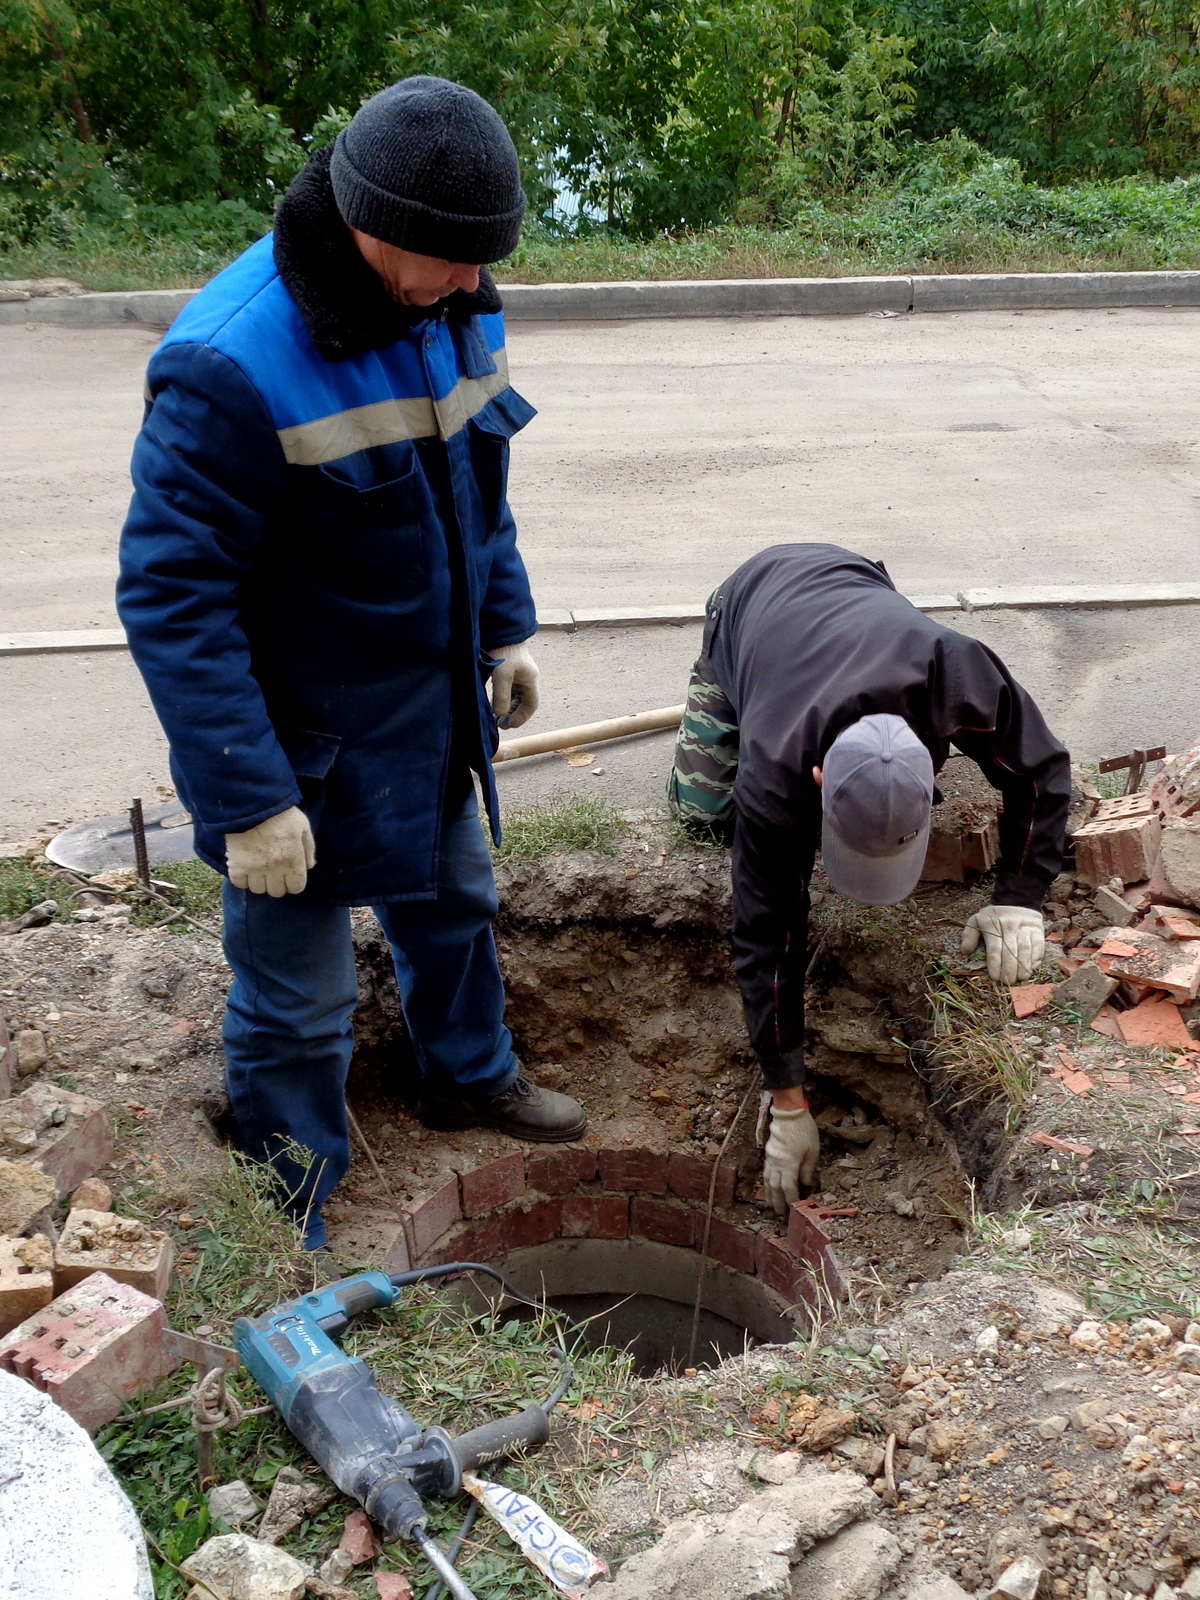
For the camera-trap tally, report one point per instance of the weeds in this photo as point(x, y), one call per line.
point(449, 1365)
point(574, 822)
point(972, 1051)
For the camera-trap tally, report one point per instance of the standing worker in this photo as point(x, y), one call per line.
point(319, 574)
point(821, 708)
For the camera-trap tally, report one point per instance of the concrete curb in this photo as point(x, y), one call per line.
point(712, 297)
point(1049, 597)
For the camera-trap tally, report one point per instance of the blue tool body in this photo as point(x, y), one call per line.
point(365, 1441)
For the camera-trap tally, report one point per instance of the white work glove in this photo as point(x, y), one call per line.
point(1014, 938)
point(273, 858)
point(514, 685)
point(792, 1151)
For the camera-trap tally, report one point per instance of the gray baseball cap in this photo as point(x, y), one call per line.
point(876, 801)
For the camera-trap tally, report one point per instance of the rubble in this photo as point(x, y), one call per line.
point(856, 1564)
point(1120, 841)
point(1085, 991)
point(93, 1194)
point(358, 1539)
point(234, 1566)
point(67, 1136)
point(232, 1504)
point(26, 1279)
point(31, 1051)
point(25, 1191)
point(127, 1250)
point(293, 1497)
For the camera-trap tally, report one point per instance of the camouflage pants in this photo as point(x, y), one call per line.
point(700, 787)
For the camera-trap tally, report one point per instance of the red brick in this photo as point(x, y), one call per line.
point(664, 1221)
point(780, 1270)
point(809, 1242)
point(488, 1188)
point(526, 1226)
point(1118, 846)
point(91, 1242)
point(433, 1215)
point(734, 1247)
point(636, 1171)
point(601, 1216)
point(560, 1171)
point(91, 1349)
point(689, 1178)
point(482, 1240)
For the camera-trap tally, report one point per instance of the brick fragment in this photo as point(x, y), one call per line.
point(431, 1217)
point(664, 1221)
point(1114, 908)
point(1171, 923)
point(809, 1241)
point(128, 1251)
point(67, 1135)
point(689, 1178)
point(1118, 844)
point(91, 1349)
point(358, 1538)
point(1028, 998)
point(494, 1185)
point(1156, 1022)
point(25, 1190)
point(393, 1586)
point(1172, 966)
point(602, 1216)
point(1177, 869)
point(93, 1194)
point(1086, 990)
point(635, 1171)
point(1175, 787)
point(560, 1171)
point(733, 1246)
point(25, 1284)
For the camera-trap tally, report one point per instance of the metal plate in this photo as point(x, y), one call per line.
point(108, 841)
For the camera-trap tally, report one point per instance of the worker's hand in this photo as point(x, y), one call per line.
point(514, 685)
point(1014, 938)
point(793, 1148)
point(274, 858)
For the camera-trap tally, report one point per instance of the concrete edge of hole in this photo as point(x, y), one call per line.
point(711, 297)
point(527, 1199)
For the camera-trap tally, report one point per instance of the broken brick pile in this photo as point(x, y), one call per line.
point(1135, 974)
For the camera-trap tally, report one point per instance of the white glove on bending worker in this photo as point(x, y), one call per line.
point(793, 1148)
point(275, 857)
point(514, 685)
point(1014, 938)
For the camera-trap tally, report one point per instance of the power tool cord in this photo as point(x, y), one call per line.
point(454, 1269)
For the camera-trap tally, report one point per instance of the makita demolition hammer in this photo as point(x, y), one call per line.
point(367, 1443)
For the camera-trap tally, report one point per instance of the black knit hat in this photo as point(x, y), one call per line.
point(429, 166)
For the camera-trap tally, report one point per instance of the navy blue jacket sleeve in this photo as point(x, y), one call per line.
point(996, 723)
point(507, 614)
point(208, 475)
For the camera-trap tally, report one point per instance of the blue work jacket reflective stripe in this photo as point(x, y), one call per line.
point(318, 557)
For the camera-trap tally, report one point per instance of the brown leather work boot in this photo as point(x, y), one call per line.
point(523, 1111)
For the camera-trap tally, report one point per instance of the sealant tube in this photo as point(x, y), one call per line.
point(552, 1550)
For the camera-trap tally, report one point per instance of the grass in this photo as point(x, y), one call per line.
point(972, 1052)
point(985, 220)
point(572, 822)
point(194, 890)
point(239, 1257)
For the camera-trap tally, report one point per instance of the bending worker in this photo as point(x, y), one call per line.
point(821, 708)
point(319, 573)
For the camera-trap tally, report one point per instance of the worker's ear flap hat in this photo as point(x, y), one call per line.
point(428, 165)
point(876, 803)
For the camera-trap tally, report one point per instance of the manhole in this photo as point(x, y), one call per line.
point(640, 1296)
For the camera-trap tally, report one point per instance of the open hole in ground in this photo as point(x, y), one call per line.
point(621, 991)
point(640, 1296)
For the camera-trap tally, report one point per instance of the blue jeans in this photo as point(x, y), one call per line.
point(288, 1031)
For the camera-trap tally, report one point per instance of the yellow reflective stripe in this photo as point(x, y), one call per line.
point(310, 444)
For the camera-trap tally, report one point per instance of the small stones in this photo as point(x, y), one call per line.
point(32, 1051)
point(1089, 1335)
point(900, 1204)
point(988, 1342)
point(231, 1504)
point(235, 1564)
point(1053, 1427)
point(1020, 1581)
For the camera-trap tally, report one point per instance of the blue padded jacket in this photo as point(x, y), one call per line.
point(318, 557)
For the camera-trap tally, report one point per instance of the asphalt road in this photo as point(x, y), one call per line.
point(965, 451)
